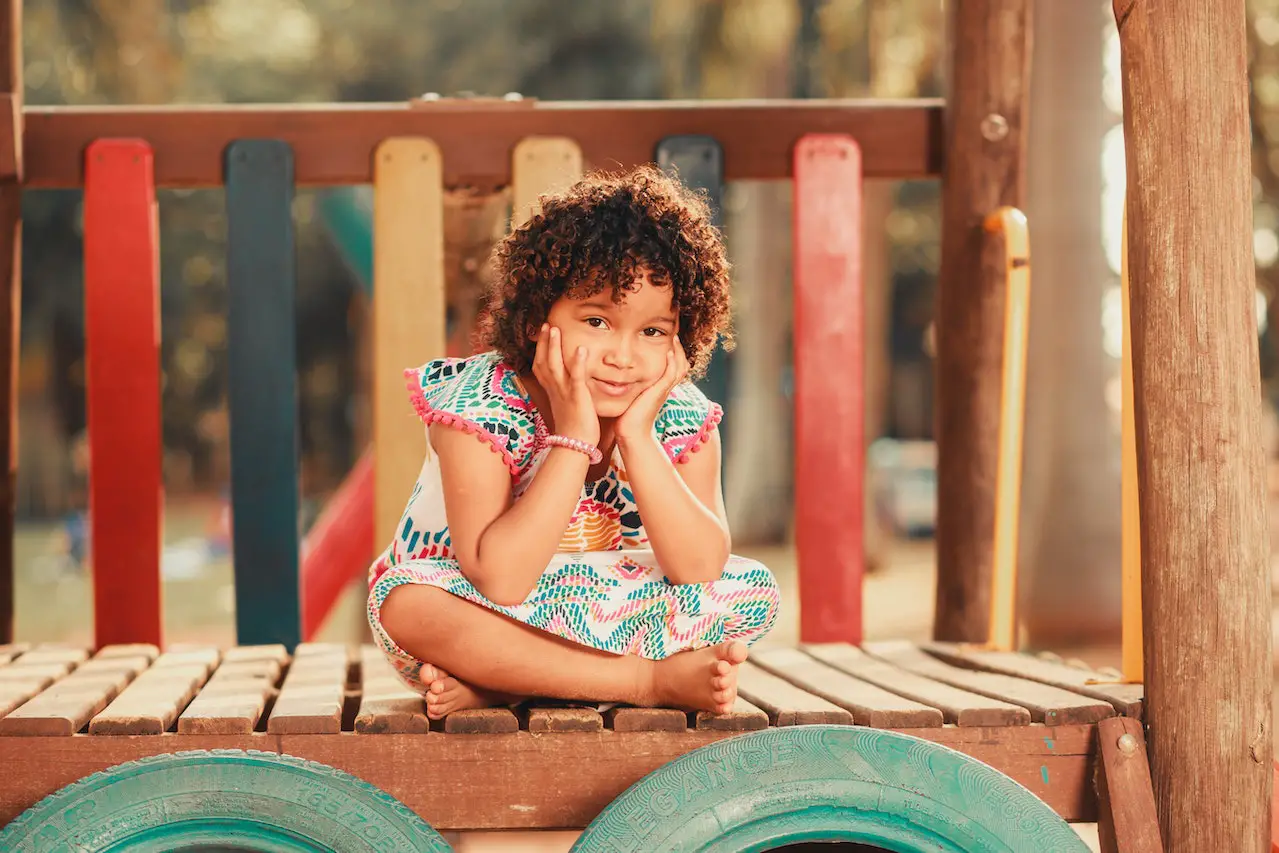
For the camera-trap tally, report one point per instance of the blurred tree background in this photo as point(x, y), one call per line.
point(211, 51)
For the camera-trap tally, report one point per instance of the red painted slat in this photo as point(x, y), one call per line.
point(829, 450)
point(122, 359)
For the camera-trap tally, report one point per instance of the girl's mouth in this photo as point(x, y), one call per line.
point(613, 389)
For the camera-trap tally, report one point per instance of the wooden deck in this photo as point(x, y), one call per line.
point(66, 713)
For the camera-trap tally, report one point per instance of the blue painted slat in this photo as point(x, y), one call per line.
point(699, 163)
point(261, 278)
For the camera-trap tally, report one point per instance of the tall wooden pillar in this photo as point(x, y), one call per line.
point(1200, 466)
point(987, 107)
point(10, 290)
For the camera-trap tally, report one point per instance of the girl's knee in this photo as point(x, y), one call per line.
point(400, 614)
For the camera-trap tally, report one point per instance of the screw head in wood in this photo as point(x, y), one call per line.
point(1127, 744)
point(994, 127)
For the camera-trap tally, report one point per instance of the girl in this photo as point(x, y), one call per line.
point(566, 537)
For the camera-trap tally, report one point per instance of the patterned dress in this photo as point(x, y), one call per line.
point(603, 588)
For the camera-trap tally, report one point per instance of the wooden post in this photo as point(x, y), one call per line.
point(11, 288)
point(1196, 378)
point(987, 106)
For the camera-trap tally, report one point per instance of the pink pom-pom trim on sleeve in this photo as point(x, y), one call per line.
point(713, 417)
point(430, 415)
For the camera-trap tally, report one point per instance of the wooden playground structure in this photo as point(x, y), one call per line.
point(281, 743)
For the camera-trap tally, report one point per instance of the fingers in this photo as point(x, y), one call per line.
point(555, 357)
point(681, 361)
point(539, 354)
point(577, 371)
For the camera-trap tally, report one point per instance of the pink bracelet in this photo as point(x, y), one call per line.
point(576, 444)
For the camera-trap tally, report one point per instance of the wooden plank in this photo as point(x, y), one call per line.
point(698, 161)
point(786, 704)
point(959, 707)
point(627, 719)
point(986, 133)
point(544, 717)
point(44, 654)
point(122, 374)
point(744, 717)
point(1049, 705)
point(128, 650)
point(334, 142)
point(313, 693)
point(541, 165)
point(870, 705)
point(1127, 822)
point(408, 312)
point(11, 89)
point(829, 419)
point(387, 704)
point(66, 706)
point(538, 778)
point(1125, 698)
point(482, 721)
point(151, 703)
point(262, 390)
point(14, 692)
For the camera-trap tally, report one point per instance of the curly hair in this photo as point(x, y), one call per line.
point(606, 231)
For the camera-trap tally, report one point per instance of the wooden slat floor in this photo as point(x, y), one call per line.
point(66, 712)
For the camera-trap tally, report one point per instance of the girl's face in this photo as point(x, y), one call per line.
point(626, 343)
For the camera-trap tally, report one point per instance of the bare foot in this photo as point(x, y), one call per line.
point(446, 694)
point(701, 680)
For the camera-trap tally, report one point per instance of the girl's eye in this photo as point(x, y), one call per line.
point(653, 333)
point(595, 322)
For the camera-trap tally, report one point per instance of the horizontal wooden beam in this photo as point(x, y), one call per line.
point(333, 143)
point(522, 780)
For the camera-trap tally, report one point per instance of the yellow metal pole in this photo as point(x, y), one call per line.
point(1011, 224)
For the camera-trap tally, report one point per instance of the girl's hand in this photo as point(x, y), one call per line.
point(636, 422)
point(564, 381)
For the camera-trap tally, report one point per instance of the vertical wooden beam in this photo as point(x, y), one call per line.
point(11, 287)
point(1197, 400)
point(987, 108)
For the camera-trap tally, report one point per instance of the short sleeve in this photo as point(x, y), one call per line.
point(479, 395)
point(686, 420)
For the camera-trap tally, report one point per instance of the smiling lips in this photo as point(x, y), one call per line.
point(613, 389)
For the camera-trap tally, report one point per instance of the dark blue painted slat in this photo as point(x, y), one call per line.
point(699, 162)
point(261, 278)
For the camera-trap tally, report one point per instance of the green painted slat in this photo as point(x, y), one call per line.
point(262, 283)
point(698, 161)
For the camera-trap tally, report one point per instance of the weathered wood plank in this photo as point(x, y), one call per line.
point(236, 695)
point(744, 717)
point(1125, 698)
point(548, 718)
point(960, 707)
point(387, 704)
point(482, 721)
point(626, 719)
point(1050, 705)
point(786, 704)
point(534, 773)
point(151, 703)
point(870, 705)
point(1127, 822)
point(334, 142)
point(66, 706)
point(313, 693)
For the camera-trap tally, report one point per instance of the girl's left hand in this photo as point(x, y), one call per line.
point(637, 421)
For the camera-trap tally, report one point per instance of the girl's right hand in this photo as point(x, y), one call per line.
point(564, 381)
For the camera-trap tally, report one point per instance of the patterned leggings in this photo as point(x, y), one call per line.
point(615, 601)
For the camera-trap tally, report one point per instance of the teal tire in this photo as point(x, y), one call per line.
point(789, 785)
point(224, 800)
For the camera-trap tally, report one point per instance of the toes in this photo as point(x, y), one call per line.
point(733, 651)
point(720, 682)
point(721, 668)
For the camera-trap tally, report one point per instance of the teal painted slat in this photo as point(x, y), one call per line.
point(261, 278)
point(698, 161)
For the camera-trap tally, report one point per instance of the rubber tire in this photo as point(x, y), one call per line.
point(759, 791)
point(221, 799)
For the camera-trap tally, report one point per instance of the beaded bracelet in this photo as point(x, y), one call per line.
point(576, 444)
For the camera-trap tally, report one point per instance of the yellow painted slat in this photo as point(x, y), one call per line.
point(408, 311)
point(1131, 514)
point(540, 165)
